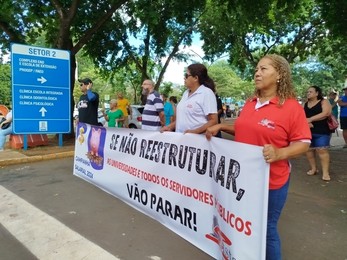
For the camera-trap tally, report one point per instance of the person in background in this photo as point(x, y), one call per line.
point(124, 105)
point(317, 110)
point(224, 110)
point(333, 102)
point(153, 117)
point(114, 116)
point(197, 109)
point(342, 102)
point(5, 131)
point(274, 120)
point(168, 110)
point(88, 103)
point(219, 112)
point(237, 110)
point(173, 101)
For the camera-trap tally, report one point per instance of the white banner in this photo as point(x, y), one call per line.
point(212, 193)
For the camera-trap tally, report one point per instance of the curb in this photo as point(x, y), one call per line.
point(37, 158)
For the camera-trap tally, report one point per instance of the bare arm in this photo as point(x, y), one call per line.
point(105, 115)
point(341, 103)
point(169, 127)
point(334, 104)
point(326, 111)
point(213, 130)
point(273, 154)
point(162, 118)
point(212, 120)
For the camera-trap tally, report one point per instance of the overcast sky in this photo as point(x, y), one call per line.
point(176, 70)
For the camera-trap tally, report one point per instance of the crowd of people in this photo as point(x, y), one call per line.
point(272, 118)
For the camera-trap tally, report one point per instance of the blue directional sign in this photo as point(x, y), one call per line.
point(40, 90)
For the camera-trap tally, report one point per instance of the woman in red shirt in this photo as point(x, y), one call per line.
point(274, 120)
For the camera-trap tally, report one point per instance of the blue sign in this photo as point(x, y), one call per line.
point(40, 90)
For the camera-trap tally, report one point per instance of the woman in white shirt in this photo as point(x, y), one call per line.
point(197, 110)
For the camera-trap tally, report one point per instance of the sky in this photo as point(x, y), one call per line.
point(176, 70)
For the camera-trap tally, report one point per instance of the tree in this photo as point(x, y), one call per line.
point(5, 84)
point(293, 29)
point(71, 25)
point(66, 25)
point(228, 83)
point(147, 39)
point(335, 15)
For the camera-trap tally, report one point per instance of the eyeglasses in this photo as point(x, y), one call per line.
point(187, 75)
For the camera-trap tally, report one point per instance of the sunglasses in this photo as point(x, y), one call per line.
point(187, 75)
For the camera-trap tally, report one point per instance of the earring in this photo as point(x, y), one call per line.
point(278, 81)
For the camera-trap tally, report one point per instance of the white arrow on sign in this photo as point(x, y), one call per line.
point(43, 111)
point(42, 80)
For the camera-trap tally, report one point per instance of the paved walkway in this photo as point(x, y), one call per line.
point(17, 156)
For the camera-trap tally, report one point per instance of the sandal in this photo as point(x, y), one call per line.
point(311, 172)
point(326, 178)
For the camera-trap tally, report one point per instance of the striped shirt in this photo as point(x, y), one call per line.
point(150, 116)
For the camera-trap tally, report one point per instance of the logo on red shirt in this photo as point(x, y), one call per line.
point(268, 123)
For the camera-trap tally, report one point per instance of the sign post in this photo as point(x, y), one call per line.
point(40, 90)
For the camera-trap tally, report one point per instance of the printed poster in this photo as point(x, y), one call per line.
point(212, 193)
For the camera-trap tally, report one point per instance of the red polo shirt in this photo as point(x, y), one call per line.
point(276, 125)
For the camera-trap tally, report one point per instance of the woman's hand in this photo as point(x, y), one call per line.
point(212, 131)
point(165, 128)
point(270, 153)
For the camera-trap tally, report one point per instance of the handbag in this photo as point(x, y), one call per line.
point(332, 123)
point(6, 125)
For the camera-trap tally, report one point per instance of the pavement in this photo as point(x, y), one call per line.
point(33, 154)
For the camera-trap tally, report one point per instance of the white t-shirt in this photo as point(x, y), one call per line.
point(192, 111)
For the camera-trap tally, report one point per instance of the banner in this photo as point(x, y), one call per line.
point(212, 193)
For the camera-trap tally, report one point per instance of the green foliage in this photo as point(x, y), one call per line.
point(335, 15)
point(228, 83)
point(5, 85)
point(166, 89)
point(145, 39)
point(314, 73)
point(128, 41)
point(295, 29)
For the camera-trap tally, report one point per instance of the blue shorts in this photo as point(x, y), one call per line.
point(320, 141)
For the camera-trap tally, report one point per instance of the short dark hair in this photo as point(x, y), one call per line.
point(85, 81)
point(173, 99)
